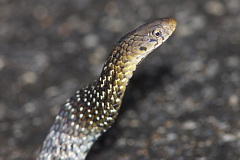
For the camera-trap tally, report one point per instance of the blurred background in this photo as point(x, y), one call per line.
point(181, 104)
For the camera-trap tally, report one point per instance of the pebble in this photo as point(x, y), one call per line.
point(90, 40)
point(233, 100)
point(228, 138)
point(29, 77)
point(189, 125)
point(171, 136)
point(215, 8)
point(233, 61)
point(30, 107)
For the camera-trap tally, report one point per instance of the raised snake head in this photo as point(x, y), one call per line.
point(137, 44)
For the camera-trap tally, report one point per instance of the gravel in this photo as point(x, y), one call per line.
point(183, 102)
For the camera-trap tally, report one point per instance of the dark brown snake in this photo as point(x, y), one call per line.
point(93, 109)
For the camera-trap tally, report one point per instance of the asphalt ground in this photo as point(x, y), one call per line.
point(182, 103)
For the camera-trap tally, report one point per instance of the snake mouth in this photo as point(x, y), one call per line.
point(159, 42)
point(156, 45)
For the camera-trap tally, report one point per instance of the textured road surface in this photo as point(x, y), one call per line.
point(183, 103)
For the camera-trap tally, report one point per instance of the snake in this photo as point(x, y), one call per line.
point(92, 110)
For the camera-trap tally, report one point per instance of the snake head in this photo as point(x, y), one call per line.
point(154, 33)
point(137, 44)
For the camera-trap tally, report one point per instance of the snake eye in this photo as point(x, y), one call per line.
point(156, 33)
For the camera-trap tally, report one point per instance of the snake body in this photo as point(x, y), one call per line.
point(93, 109)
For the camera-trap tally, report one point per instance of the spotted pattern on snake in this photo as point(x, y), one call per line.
point(93, 109)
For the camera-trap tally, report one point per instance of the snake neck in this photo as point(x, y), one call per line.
point(103, 98)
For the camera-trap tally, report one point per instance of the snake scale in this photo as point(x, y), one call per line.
point(92, 110)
